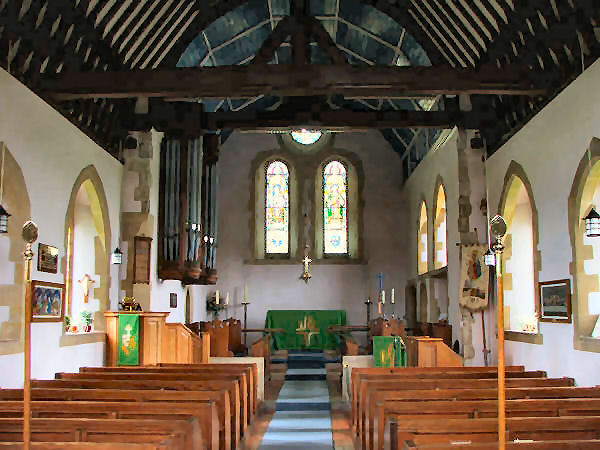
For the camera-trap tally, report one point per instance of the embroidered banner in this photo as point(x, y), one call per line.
point(474, 278)
point(129, 337)
point(389, 351)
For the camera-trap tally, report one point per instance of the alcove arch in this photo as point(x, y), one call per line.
point(521, 260)
point(87, 242)
point(17, 202)
point(585, 194)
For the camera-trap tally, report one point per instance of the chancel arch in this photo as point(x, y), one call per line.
point(585, 195)
point(16, 200)
point(520, 260)
point(440, 256)
point(422, 237)
point(87, 243)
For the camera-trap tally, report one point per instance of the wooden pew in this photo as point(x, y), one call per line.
point(446, 431)
point(82, 446)
point(369, 386)
point(122, 395)
point(228, 392)
point(537, 445)
point(240, 396)
point(204, 411)
point(181, 434)
point(249, 375)
point(458, 408)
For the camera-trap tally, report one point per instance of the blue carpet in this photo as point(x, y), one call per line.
point(302, 410)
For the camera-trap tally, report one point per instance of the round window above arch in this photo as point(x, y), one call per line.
point(305, 140)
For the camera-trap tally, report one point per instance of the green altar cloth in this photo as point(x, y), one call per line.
point(128, 340)
point(305, 329)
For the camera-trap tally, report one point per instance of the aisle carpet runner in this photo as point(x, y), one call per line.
point(302, 413)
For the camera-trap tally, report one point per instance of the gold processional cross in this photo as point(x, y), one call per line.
point(306, 275)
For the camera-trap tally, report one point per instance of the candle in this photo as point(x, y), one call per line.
point(379, 308)
point(227, 299)
point(369, 299)
point(245, 292)
point(393, 296)
point(217, 298)
point(383, 297)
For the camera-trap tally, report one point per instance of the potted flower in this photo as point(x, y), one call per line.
point(67, 323)
point(86, 320)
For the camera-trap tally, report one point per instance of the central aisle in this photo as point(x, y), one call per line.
point(302, 414)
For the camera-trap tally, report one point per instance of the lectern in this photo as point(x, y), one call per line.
point(152, 327)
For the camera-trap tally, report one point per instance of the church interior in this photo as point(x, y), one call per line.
point(266, 224)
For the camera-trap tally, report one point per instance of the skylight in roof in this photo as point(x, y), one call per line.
point(306, 137)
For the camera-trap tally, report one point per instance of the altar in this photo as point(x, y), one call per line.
point(305, 329)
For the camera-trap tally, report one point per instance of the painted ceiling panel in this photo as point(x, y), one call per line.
point(280, 7)
point(195, 52)
point(323, 7)
point(242, 48)
point(414, 51)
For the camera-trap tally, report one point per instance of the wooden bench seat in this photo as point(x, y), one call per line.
point(448, 430)
point(178, 434)
point(82, 446)
point(204, 411)
point(442, 409)
point(368, 387)
point(228, 392)
point(121, 395)
point(239, 396)
point(537, 445)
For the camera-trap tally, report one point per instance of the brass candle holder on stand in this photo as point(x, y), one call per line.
point(245, 304)
point(368, 303)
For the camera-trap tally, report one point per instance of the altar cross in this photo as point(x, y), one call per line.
point(86, 283)
point(380, 278)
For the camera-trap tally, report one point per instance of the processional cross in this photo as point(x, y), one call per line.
point(306, 275)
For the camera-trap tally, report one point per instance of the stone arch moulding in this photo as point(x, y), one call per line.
point(582, 284)
point(355, 176)
point(17, 201)
point(516, 171)
point(439, 183)
point(256, 224)
point(90, 180)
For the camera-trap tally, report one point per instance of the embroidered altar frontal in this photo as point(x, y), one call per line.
point(305, 329)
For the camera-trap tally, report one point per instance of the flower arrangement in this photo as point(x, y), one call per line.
point(87, 318)
point(212, 306)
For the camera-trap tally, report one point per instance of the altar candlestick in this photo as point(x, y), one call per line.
point(245, 292)
point(217, 298)
point(393, 296)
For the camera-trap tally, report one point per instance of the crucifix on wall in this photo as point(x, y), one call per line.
point(86, 283)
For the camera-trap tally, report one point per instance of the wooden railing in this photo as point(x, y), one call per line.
point(180, 345)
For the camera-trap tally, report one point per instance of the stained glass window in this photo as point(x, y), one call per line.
point(277, 208)
point(335, 208)
point(306, 137)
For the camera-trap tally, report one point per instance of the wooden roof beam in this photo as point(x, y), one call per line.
point(288, 80)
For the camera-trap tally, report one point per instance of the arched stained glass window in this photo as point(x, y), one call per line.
point(277, 208)
point(335, 208)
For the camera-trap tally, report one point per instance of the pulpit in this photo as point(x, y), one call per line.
point(150, 336)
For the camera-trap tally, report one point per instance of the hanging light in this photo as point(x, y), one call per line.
point(116, 257)
point(4, 215)
point(592, 223)
point(489, 258)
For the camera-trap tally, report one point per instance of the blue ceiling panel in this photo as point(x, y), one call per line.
point(372, 20)
point(323, 7)
point(318, 56)
point(232, 23)
point(194, 53)
point(285, 55)
point(240, 49)
point(280, 7)
point(330, 26)
point(414, 51)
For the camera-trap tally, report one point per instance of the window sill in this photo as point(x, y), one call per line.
point(92, 337)
point(524, 336)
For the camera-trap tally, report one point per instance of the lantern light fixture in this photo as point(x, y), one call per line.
point(592, 223)
point(116, 257)
point(4, 215)
point(489, 258)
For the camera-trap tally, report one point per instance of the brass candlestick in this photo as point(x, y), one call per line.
point(245, 303)
point(368, 303)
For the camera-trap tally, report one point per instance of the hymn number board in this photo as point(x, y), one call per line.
point(141, 260)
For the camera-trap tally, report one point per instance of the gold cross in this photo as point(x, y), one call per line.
point(308, 329)
point(306, 262)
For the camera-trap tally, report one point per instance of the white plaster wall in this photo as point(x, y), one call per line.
point(332, 286)
point(51, 153)
point(549, 148)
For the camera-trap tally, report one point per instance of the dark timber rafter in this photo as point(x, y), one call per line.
point(289, 80)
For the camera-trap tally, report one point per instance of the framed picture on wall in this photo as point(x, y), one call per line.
point(48, 302)
point(47, 258)
point(555, 301)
